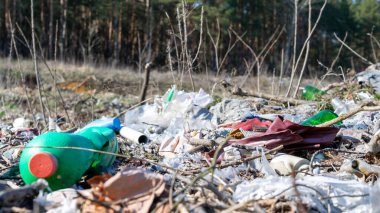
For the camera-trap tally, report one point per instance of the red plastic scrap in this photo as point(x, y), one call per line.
point(291, 135)
point(249, 124)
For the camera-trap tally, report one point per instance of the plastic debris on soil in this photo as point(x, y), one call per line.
point(187, 152)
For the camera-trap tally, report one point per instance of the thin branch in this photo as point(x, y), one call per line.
point(294, 47)
point(374, 38)
point(55, 83)
point(230, 47)
point(215, 44)
point(306, 54)
point(276, 98)
point(200, 38)
point(174, 37)
point(372, 46)
point(182, 58)
point(250, 50)
point(362, 107)
point(35, 62)
point(281, 72)
point(353, 51)
point(306, 42)
point(168, 49)
point(330, 69)
point(105, 153)
point(20, 70)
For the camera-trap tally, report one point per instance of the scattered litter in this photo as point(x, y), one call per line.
point(360, 168)
point(342, 107)
point(64, 167)
point(285, 164)
point(320, 118)
point(185, 150)
point(320, 193)
point(132, 190)
point(371, 76)
point(133, 135)
point(311, 93)
point(291, 135)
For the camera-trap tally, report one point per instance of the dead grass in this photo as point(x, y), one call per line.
point(128, 80)
point(88, 90)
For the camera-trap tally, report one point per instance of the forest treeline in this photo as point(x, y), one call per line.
point(220, 35)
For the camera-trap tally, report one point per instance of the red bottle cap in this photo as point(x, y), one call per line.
point(43, 165)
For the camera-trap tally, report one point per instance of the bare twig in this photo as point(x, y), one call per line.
point(281, 72)
point(238, 162)
point(134, 106)
point(182, 57)
point(276, 98)
point(215, 43)
point(35, 62)
point(259, 58)
point(169, 50)
point(353, 51)
point(344, 195)
point(105, 153)
point(300, 205)
point(374, 39)
point(146, 83)
point(55, 84)
point(330, 69)
point(171, 189)
point(362, 107)
point(21, 71)
point(306, 54)
point(305, 44)
point(373, 145)
point(294, 47)
point(200, 38)
point(98, 202)
point(185, 45)
point(273, 77)
point(255, 56)
point(174, 37)
point(230, 47)
point(329, 150)
point(372, 46)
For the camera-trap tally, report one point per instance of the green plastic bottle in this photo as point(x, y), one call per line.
point(64, 167)
point(320, 118)
point(310, 93)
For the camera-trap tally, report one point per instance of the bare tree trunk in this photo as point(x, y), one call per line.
point(63, 32)
point(149, 13)
point(42, 34)
point(115, 33)
point(133, 36)
point(51, 29)
point(14, 7)
point(109, 44)
point(294, 47)
point(148, 54)
point(119, 33)
point(5, 26)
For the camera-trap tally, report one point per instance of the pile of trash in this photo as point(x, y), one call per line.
point(188, 152)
